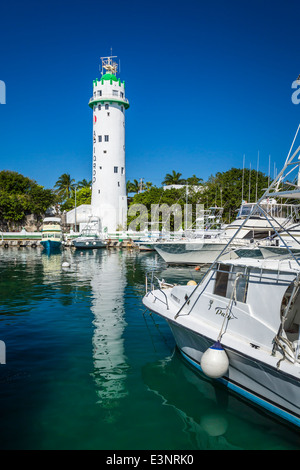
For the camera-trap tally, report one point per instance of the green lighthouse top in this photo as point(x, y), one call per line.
point(109, 76)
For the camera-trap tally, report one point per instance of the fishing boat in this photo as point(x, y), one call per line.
point(242, 328)
point(256, 232)
point(51, 234)
point(91, 237)
point(240, 325)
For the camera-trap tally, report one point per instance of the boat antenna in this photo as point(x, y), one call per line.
point(257, 177)
point(243, 178)
point(249, 182)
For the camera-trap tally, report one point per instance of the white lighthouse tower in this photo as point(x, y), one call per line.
point(109, 200)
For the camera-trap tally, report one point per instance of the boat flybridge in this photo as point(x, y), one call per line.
point(241, 324)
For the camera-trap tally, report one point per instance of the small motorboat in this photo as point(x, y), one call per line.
point(90, 237)
point(51, 234)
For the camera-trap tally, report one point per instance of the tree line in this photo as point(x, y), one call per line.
point(136, 186)
point(225, 190)
point(20, 196)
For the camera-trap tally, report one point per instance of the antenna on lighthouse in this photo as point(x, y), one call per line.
point(108, 65)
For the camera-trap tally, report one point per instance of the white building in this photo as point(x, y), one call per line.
point(109, 200)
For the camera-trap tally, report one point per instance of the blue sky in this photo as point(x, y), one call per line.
point(207, 83)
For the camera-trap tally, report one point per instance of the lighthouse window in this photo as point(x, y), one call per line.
point(119, 183)
point(99, 138)
point(106, 138)
point(122, 170)
point(99, 92)
point(122, 109)
point(107, 106)
point(115, 169)
point(99, 107)
point(121, 94)
point(115, 93)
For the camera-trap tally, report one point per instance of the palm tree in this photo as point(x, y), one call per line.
point(194, 180)
point(132, 187)
point(148, 185)
point(64, 185)
point(173, 178)
point(84, 184)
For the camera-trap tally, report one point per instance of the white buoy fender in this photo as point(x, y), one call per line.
point(215, 362)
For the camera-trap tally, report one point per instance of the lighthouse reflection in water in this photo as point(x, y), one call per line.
point(108, 285)
point(106, 272)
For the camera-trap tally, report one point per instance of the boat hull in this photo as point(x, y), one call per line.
point(192, 253)
point(271, 389)
point(88, 244)
point(51, 245)
point(276, 252)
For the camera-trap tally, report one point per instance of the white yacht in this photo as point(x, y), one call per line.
point(240, 324)
point(256, 232)
point(287, 242)
point(208, 225)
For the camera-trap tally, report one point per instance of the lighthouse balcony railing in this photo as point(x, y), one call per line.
point(108, 97)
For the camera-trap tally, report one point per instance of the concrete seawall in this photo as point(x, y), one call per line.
point(35, 243)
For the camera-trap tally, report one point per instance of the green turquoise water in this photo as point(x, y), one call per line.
point(87, 368)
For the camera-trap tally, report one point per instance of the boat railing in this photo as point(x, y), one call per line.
point(149, 286)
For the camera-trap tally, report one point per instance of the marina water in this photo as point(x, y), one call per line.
point(88, 368)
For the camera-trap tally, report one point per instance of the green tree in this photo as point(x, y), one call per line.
point(159, 197)
point(227, 190)
point(132, 187)
point(21, 196)
point(84, 184)
point(64, 185)
point(148, 185)
point(173, 178)
point(14, 183)
point(194, 180)
point(83, 196)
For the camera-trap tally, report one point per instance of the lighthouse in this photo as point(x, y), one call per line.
point(109, 104)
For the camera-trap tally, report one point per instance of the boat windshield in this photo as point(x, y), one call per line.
point(277, 211)
point(49, 224)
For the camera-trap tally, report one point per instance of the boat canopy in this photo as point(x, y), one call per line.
point(52, 219)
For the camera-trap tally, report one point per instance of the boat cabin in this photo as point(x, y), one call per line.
point(255, 295)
